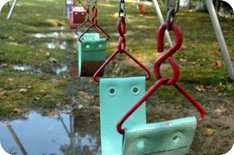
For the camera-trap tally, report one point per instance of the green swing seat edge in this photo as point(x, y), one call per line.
point(117, 96)
point(172, 137)
point(92, 42)
point(92, 47)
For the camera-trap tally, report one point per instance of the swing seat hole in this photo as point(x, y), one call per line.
point(135, 90)
point(87, 46)
point(140, 145)
point(112, 91)
point(177, 138)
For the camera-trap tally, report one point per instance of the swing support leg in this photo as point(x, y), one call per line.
point(159, 14)
point(11, 9)
point(220, 38)
point(17, 140)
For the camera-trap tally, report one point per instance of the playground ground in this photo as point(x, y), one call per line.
point(36, 53)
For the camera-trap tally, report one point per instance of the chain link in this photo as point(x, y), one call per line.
point(122, 26)
point(164, 80)
point(122, 9)
point(122, 31)
point(94, 15)
point(172, 7)
point(91, 2)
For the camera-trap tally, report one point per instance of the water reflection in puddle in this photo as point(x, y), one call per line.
point(26, 68)
point(55, 35)
point(60, 70)
point(47, 35)
point(57, 69)
point(56, 45)
point(61, 133)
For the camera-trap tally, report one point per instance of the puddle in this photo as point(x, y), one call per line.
point(47, 35)
point(59, 28)
point(55, 35)
point(60, 70)
point(56, 45)
point(26, 68)
point(56, 69)
point(58, 133)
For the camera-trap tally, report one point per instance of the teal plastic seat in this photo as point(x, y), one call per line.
point(91, 53)
point(117, 96)
point(172, 137)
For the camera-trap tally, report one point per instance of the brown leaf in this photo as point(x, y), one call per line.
point(220, 110)
point(18, 111)
point(2, 94)
point(218, 63)
point(208, 132)
point(23, 90)
point(200, 88)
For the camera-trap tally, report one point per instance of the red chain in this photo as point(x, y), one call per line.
point(121, 48)
point(122, 31)
point(161, 80)
point(94, 15)
point(94, 24)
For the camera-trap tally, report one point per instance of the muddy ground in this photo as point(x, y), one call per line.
point(38, 57)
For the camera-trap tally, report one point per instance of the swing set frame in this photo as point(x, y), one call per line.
point(217, 29)
point(12, 7)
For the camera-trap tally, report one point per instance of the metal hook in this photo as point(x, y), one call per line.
point(95, 25)
point(169, 53)
point(111, 58)
point(121, 48)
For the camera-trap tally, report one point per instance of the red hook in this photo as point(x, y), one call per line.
point(121, 49)
point(94, 24)
point(168, 55)
point(164, 80)
point(175, 67)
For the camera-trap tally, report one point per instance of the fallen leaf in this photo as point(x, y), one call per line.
point(218, 63)
point(18, 111)
point(208, 132)
point(200, 88)
point(221, 110)
point(23, 90)
point(2, 93)
point(51, 59)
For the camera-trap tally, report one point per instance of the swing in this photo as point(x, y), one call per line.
point(141, 6)
point(172, 137)
point(91, 47)
point(77, 16)
point(117, 95)
point(91, 53)
point(10, 12)
point(114, 94)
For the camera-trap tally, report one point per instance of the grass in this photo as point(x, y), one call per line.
point(203, 71)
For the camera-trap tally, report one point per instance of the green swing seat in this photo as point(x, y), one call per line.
point(117, 96)
point(91, 53)
point(172, 137)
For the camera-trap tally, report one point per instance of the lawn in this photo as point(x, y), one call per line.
point(38, 37)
